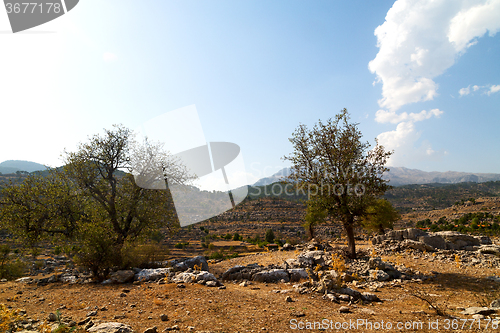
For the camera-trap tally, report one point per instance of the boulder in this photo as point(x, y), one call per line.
point(273, 275)
point(111, 327)
point(458, 240)
point(478, 310)
point(152, 274)
point(241, 272)
point(311, 258)
point(411, 244)
point(205, 276)
point(398, 235)
point(376, 263)
point(122, 276)
point(24, 280)
point(351, 292)
point(490, 249)
point(296, 274)
point(435, 241)
point(184, 277)
point(484, 240)
point(199, 261)
point(378, 275)
point(195, 277)
point(415, 234)
point(231, 272)
point(71, 279)
point(369, 297)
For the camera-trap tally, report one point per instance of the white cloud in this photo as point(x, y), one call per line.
point(108, 56)
point(404, 138)
point(419, 40)
point(494, 89)
point(474, 21)
point(487, 89)
point(403, 141)
point(383, 116)
point(464, 91)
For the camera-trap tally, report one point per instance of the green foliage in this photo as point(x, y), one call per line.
point(315, 214)
point(256, 241)
point(482, 222)
point(135, 254)
point(237, 237)
point(181, 245)
point(62, 327)
point(406, 198)
point(216, 255)
point(221, 255)
point(57, 250)
point(228, 236)
point(156, 236)
point(380, 215)
point(331, 163)
point(269, 236)
point(99, 251)
point(42, 208)
point(10, 269)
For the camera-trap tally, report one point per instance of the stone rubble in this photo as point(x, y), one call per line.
point(446, 246)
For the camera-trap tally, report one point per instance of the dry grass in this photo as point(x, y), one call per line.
point(244, 309)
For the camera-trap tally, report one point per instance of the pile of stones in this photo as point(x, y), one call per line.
point(322, 269)
point(446, 246)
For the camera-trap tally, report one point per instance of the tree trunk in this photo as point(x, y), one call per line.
point(311, 232)
point(350, 240)
point(381, 229)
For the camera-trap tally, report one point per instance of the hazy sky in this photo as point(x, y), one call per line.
point(422, 76)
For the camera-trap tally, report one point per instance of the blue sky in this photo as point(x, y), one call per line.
point(422, 76)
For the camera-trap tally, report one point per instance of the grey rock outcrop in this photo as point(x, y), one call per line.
point(122, 276)
point(152, 274)
point(420, 240)
point(270, 276)
point(111, 327)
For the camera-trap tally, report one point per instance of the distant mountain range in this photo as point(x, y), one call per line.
point(398, 176)
point(12, 166)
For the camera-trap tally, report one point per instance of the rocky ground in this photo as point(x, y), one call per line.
point(278, 292)
point(406, 280)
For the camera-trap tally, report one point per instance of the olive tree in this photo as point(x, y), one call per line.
point(380, 215)
point(315, 214)
point(41, 207)
point(102, 171)
point(335, 167)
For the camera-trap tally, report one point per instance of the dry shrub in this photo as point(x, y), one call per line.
point(143, 255)
point(9, 319)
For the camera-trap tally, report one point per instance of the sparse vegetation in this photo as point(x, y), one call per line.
point(380, 215)
point(332, 163)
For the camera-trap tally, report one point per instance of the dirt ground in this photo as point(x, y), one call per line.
point(405, 307)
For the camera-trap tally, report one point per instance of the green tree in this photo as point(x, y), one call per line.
point(331, 162)
point(42, 207)
point(269, 236)
point(315, 214)
point(380, 215)
point(102, 171)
